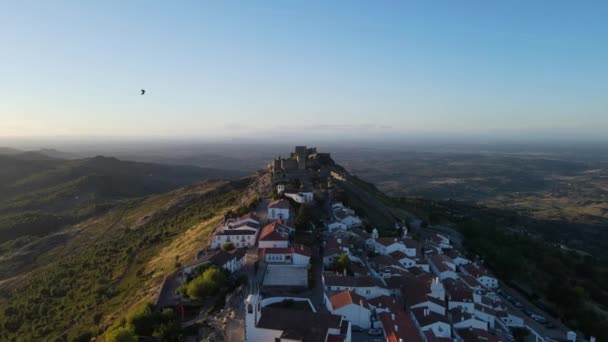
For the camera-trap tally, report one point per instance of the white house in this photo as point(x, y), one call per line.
point(240, 238)
point(298, 254)
point(403, 259)
point(443, 266)
point(279, 209)
point(462, 319)
point(271, 319)
point(350, 220)
point(300, 197)
point(459, 261)
point(481, 274)
point(351, 307)
point(334, 225)
point(366, 286)
point(230, 261)
point(275, 235)
point(511, 320)
point(429, 321)
point(387, 245)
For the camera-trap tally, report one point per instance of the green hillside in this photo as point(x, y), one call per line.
point(113, 264)
point(40, 195)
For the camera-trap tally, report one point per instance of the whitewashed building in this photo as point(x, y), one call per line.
point(351, 307)
point(279, 209)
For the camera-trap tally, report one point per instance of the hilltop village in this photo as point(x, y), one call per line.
point(310, 268)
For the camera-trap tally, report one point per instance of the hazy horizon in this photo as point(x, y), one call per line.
point(307, 70)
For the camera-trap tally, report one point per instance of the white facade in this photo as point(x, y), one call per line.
point(440, 329)
point(241, 240)
point(336, 225)
point(278, 213)
point(364, 291)
point(355, 314)
point(300, 197)
point(488, 282)
point(471, 322)
point(513, 321)
point(458, 261)
point(273, 244)
point(466, 306)
point(351, 221)
point(432, 306)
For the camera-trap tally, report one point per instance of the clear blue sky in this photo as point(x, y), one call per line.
point(344, 68)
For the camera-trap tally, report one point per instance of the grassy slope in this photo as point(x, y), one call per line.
point(115, 262)
point(40, 195)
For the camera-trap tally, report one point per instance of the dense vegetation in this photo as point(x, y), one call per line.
point(39, 195)
point(145, 322)
point(207, 281)
point(107, 268)
point(566, 283)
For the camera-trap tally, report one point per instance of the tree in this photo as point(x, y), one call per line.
point(227, 246)
point(122, 334)
point(342, 263)
point(302, 221)
point(143, 320)
point(206, 284)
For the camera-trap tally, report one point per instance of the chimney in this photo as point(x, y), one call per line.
point(396, 328)
point(393, 316)
point(338, 240)
point(426, 312)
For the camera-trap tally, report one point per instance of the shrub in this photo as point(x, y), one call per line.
point(227, 246)
point(122, 334)
point(206, 284)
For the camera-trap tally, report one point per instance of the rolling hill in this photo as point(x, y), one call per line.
point(40, 194)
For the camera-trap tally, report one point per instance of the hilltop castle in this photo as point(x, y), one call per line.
point(299, 161)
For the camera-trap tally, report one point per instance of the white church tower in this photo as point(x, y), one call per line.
point(252, 314)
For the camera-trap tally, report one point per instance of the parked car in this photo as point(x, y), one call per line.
point(374, 332)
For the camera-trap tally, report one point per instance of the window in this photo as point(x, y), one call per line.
point(368, 291)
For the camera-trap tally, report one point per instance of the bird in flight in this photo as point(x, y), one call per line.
point(143, 91)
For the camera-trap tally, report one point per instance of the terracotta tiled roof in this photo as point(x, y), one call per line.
point(398, 255)
point(427, 317)
point(476, 270)
point(360, 232)
point(332, 279)
point(470, 281)
point(344, 298)
point(335, 338)
point(398, 326)
point(412, 244)
point(476, 335)
point(384, 301)
point(275, 231)
point(298, 324)
point(387, 241)
point(296, 249)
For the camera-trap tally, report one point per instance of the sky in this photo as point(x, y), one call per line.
point(338, 69)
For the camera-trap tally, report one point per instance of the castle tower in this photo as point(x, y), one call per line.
point(300, 154)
